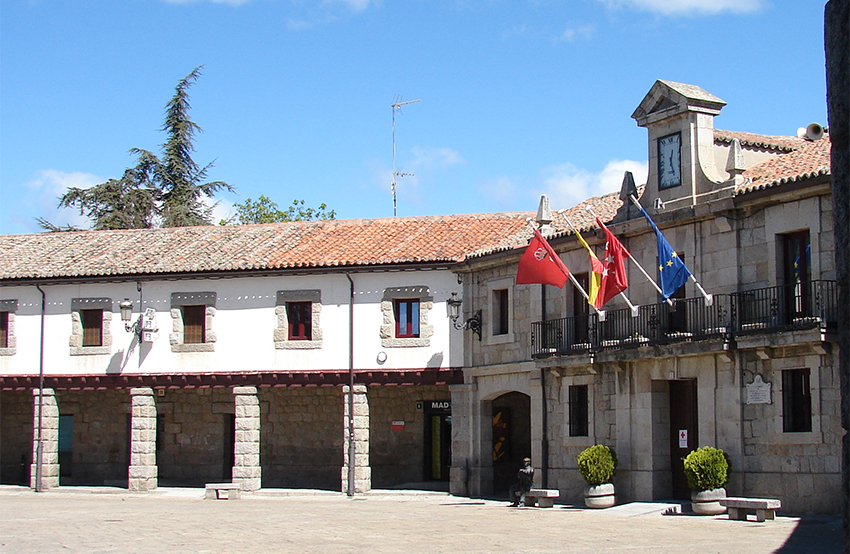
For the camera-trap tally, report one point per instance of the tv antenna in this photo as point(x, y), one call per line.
point(396, 106)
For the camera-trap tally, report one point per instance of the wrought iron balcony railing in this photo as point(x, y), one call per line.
point(772, 309)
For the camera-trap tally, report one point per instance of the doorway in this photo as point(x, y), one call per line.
point(511, 438)
point(683, 432)
point(438, 440)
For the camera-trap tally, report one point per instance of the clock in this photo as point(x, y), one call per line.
point(670, 161)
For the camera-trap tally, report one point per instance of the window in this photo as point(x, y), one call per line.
point(404, 312)
point(578, 411)
point(501, 313)
point(406, 318)
point(4, 329)
point(90, 326)
point(796, 401)
point(92, 322)
point(7, 327)
point(796, 274)
point(300, 316)
point(192, 315)
point(193, 324)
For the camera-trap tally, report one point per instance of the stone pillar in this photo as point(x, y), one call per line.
point(142, 474)
point(246, 465)
point(462, 444)
point(362, 470)
point(50, 440)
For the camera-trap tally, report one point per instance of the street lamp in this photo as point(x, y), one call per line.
point(473, 323)
point(126, 307)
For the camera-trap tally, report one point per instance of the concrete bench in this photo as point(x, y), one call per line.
point(543, 498)
point(765, 508)
point(232, 491)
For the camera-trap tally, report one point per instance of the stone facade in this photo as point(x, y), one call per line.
point(16, 433)
point(142, 474)
point(735, 245)
point(45, 434)
point(358, 425)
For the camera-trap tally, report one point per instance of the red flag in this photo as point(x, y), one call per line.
point(614, 278)
point(540, 264)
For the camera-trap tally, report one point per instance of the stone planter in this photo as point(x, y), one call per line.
point(599, 496)
point(707, 503)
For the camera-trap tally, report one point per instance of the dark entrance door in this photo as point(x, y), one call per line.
point(438, 440)
point(683, 432)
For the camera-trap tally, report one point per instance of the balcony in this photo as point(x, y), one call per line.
point(768, 310)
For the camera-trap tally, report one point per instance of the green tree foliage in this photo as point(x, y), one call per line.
point(707, 468)
point(167, 191)
point(263, 210)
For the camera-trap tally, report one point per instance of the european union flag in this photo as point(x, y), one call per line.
point(671, 268)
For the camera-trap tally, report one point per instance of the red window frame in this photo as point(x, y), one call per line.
point(406, 317)
point(300, 317)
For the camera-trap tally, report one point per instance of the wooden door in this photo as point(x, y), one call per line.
point(683, 432)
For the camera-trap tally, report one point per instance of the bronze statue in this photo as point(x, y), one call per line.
point(525, 477)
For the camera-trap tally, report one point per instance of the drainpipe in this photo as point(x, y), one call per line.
point(39, 447)
point(351, 444)
point(544, 446)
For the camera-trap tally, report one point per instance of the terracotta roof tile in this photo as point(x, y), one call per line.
point(810, 159)
point(768, 142)
point(318, 244)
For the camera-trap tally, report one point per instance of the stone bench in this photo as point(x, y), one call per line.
point(232, 491)
point(765, 508)
point(543, 498)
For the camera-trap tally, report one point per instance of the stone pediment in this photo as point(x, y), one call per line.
point(667, 98)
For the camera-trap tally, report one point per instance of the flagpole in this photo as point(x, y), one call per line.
point(632, 258)
point(709, 299)
point(632, 307)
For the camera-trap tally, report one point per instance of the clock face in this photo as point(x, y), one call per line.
point(670, 161)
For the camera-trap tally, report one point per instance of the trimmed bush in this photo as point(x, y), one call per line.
point(707, 468)
point(597, 464)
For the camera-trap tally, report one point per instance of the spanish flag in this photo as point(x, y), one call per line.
point(596, 272)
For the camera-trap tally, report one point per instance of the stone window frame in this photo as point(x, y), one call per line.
point(9, 307)
point(180, 299)
point(492, 286)
point(388, 325)
point(815, 436)
point(281, 330)
point(76, 340)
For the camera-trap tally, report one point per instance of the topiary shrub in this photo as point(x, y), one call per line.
point(707, 468)
point(597, 464)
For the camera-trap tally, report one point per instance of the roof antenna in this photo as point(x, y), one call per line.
point(397, 108)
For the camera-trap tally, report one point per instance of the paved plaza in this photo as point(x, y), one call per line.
point(180, 520)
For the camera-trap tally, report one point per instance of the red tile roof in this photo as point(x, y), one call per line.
point(809, 160)
point(317, 244)
point(768, 142)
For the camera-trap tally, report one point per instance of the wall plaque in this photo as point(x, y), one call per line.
point(758, 392)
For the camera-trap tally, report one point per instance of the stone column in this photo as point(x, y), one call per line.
point(246, 465)
point(462, 444)
point(362, 470)
point(50, 440)
point(142, 474)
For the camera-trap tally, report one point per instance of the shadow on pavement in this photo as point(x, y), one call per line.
point(821, 534)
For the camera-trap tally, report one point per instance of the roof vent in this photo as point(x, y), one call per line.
point(813, 132)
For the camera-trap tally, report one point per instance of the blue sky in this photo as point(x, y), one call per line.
point(517, 97)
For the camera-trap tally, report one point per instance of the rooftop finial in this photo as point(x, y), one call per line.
point(544, 215)
point(735, 162)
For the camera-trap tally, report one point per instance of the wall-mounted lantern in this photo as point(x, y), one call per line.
point(473, 323)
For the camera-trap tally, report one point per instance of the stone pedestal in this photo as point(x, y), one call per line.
point(246, 465)
point(360, 420)
point(142, 474)
point(49, 440)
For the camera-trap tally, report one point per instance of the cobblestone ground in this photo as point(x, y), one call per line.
point(181, 521)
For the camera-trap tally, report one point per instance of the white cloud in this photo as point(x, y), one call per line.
point(571, 34)
point(434, 158)
point(43, 195)
point(567, 185)
point(690, 7)
point(502, 190)
point(353, 5)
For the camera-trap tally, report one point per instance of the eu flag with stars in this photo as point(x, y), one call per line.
point(671, 268)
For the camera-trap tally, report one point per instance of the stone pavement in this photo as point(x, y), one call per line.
point(74, 520)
